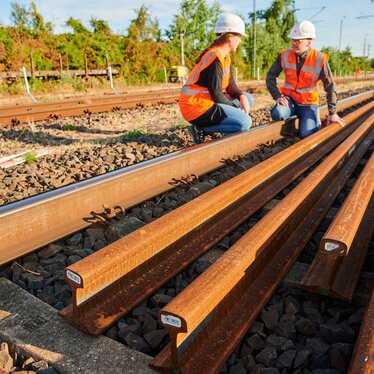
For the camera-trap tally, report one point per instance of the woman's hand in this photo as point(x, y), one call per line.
point(244, 104)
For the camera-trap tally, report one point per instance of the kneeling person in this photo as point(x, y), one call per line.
point(210, 100)
point(303, 68)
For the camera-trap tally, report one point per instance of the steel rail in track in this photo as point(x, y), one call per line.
point(40, 110)
point(209, 318)
point(37, 112)
point(79, 106)
point(135, 266)
point(31, 223)
point(362, 361)
point(33, 107)
point(95, 104)
point(336, 269)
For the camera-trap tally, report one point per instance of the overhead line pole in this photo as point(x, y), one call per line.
point(340, 43)
point(254, 39)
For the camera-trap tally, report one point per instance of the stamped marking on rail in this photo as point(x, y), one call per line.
point(74, 277)
point(171, 320)
point(331, 246)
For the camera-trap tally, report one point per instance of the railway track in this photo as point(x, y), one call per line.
point(68, 209)
point(95, 104)
point(73, 107)
point(231, 293)
point(81, 296)
point(85, 106)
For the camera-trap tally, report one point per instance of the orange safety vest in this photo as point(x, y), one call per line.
point(195, 100)
point(303, 88)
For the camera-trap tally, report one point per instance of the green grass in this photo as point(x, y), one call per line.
point(69, 127)
point(134, 134)
point(181, 125)
point(30, 157)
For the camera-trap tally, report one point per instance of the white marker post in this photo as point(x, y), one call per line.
point(111, 80)
point(27, 84)
point(166, 78)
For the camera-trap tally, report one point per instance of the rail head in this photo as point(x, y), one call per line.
point(333, 247)
point(195, 305)
point(146, 242)
point(97, 271)
point(340, 235)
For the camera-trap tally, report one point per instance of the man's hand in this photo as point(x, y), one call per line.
point(283, 100)
point(244, 104)
point(334, 118)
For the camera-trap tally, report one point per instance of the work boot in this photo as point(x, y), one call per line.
point(196, 134)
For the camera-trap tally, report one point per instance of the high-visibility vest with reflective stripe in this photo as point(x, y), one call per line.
point(195, 100)
point(303, 88)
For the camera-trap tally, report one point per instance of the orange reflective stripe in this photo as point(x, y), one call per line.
point(195, 100)
point(303, 88)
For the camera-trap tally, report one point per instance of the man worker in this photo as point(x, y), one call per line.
point(303, 68)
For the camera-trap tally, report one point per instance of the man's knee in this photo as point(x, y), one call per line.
point(279, 113)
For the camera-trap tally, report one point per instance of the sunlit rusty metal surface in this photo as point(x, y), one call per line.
point(29, 224)
point(92, 104)
point(340, 235)
point(362, 361)
point(80, 106)
point(335, 271)
point(209, 317)
point(37, 221)
point(206, 220)
point(72, 107)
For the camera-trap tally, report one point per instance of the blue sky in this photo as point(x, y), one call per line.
point(327, 16)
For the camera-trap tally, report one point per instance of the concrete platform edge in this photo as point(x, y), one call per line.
point(33, 328)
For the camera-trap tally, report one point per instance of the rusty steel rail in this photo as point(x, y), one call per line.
point(79, 106)
point(37, 112)
point(85, 105)
point(340, 235)
point(155, 253)
point(29, 224)
point(336, 268)
point(209, 317)
point(34, 107)
point(362, 361)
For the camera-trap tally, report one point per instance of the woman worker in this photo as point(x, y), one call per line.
point(210, 100)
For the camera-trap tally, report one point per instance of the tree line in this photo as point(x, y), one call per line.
point(143, 50)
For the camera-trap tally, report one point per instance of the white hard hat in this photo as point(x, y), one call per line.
point(303, 30)
point(230, 23)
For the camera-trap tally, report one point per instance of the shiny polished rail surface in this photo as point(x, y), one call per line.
point(39, 220)
point(152, 249)
point(210, 316)
point(336, 269)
